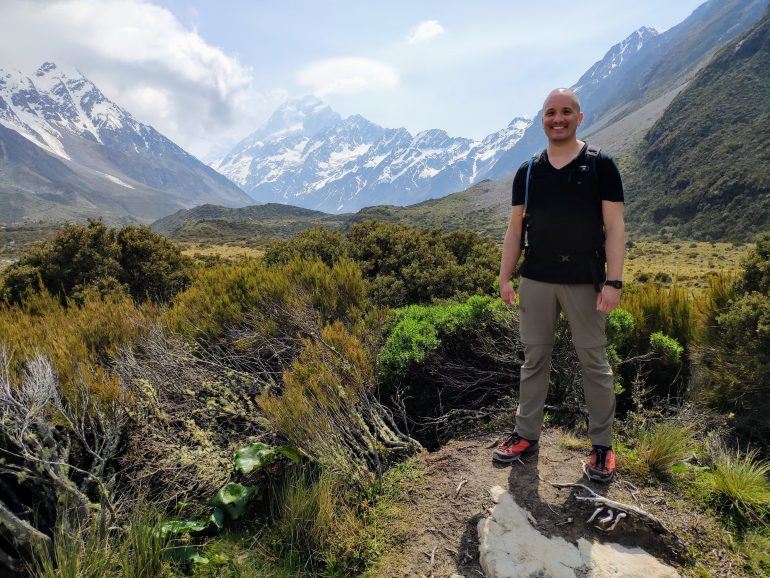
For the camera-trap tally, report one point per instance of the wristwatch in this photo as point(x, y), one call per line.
point(615, 284)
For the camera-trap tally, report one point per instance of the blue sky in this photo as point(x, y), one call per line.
point(207, 73)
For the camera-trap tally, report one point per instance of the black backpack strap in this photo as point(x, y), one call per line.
point(523, 242)
point(597, 262)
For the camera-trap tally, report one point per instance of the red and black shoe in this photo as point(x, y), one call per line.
point(601, 464)
point(513, 447)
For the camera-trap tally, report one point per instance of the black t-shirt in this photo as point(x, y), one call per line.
point(563, 217)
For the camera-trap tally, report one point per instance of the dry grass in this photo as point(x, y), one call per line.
point(687, 263)
point(571, 442)
point(224, 251)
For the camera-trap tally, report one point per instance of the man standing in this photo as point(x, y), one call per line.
point(567, 215)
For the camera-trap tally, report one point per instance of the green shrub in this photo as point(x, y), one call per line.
point(620, 327)
point(666, 309)
point(266, 299)
point(418, 329)
point(407, 265)
point(667, 347)
point(317, 243)
point(82, 256)
point(733, 359)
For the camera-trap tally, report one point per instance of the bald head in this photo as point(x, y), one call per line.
point(561, 95)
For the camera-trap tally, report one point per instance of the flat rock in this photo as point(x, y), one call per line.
point(511, 547)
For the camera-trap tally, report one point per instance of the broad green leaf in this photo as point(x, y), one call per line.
point(186, 554)
point(232, 499)
point(175, 527)
point(217, 518)
point(253, 456)
point(290, 452)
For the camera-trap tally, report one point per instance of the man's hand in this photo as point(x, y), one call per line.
point(608, 299)
point(507, 292)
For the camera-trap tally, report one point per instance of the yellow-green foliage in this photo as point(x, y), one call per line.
point(229, 295)
point(76, 338)
point(665, 445)
point(739, 485)
point(666, 309)
point(686, 263)
point(319, 409)
point(94, 551)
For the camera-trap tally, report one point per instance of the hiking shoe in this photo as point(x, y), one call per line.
point(601, 464)
point(513, 447)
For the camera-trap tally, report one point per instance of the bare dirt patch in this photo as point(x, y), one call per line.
point(441, 523)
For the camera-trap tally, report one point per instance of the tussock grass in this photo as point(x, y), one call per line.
point(739, 485)
point(666, 309)
point(92, 550)
point(665, 445)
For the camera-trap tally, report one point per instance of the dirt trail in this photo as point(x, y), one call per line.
point(443, 520)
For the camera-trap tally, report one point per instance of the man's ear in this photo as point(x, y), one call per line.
point(580, 117)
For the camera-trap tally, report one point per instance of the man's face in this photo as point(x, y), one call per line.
point(561, 117)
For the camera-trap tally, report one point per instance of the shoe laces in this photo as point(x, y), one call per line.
point(512, 439)
point(601, 455)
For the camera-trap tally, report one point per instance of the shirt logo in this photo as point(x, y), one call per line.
point(564, 259)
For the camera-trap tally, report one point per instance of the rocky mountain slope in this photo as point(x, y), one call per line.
point(67, 151)
point(623, 94)
point(703, 169)
point(307, 155)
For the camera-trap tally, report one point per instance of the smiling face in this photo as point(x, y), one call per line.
point(561, 115)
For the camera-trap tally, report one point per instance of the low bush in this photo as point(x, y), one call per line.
point(145, 264)
point(733, 359)
point(325, 407)
point(406, 265)
point(317, 243)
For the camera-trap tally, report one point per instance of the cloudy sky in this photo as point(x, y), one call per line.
point(208, 72)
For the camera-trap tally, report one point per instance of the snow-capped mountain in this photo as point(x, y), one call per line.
point(308, 155)
point(92, 155)
point(614, 59)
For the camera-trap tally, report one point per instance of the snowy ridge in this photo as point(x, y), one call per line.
point(308, 155)
point(79, 150)
point(615, 57)
point(55, 102)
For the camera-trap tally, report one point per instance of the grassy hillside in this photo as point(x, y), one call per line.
point(703, 170)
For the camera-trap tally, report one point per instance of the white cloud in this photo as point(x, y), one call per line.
point(142, 57)
point(347, 76)
point(425, 32)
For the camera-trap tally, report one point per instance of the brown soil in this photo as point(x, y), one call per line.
point(440, 522)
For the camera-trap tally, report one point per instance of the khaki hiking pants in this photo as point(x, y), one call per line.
point(540, 304)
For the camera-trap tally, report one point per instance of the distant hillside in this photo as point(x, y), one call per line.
point(252, 225)
point(703, 169)
point(626, 92)
point(483, 207)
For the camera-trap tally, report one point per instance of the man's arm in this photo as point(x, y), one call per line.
point(615, 249)
point(511, 252)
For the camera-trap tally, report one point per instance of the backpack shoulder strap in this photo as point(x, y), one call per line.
point(593, 153)
point(526, 182)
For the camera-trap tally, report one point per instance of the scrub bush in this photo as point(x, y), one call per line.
point(145, 264)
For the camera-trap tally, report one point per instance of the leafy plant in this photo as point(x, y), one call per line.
point(257, 455)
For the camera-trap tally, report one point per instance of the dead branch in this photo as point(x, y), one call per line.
point(633, 511)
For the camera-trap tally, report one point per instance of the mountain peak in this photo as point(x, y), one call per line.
point(45, 68)
point(305, 115)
